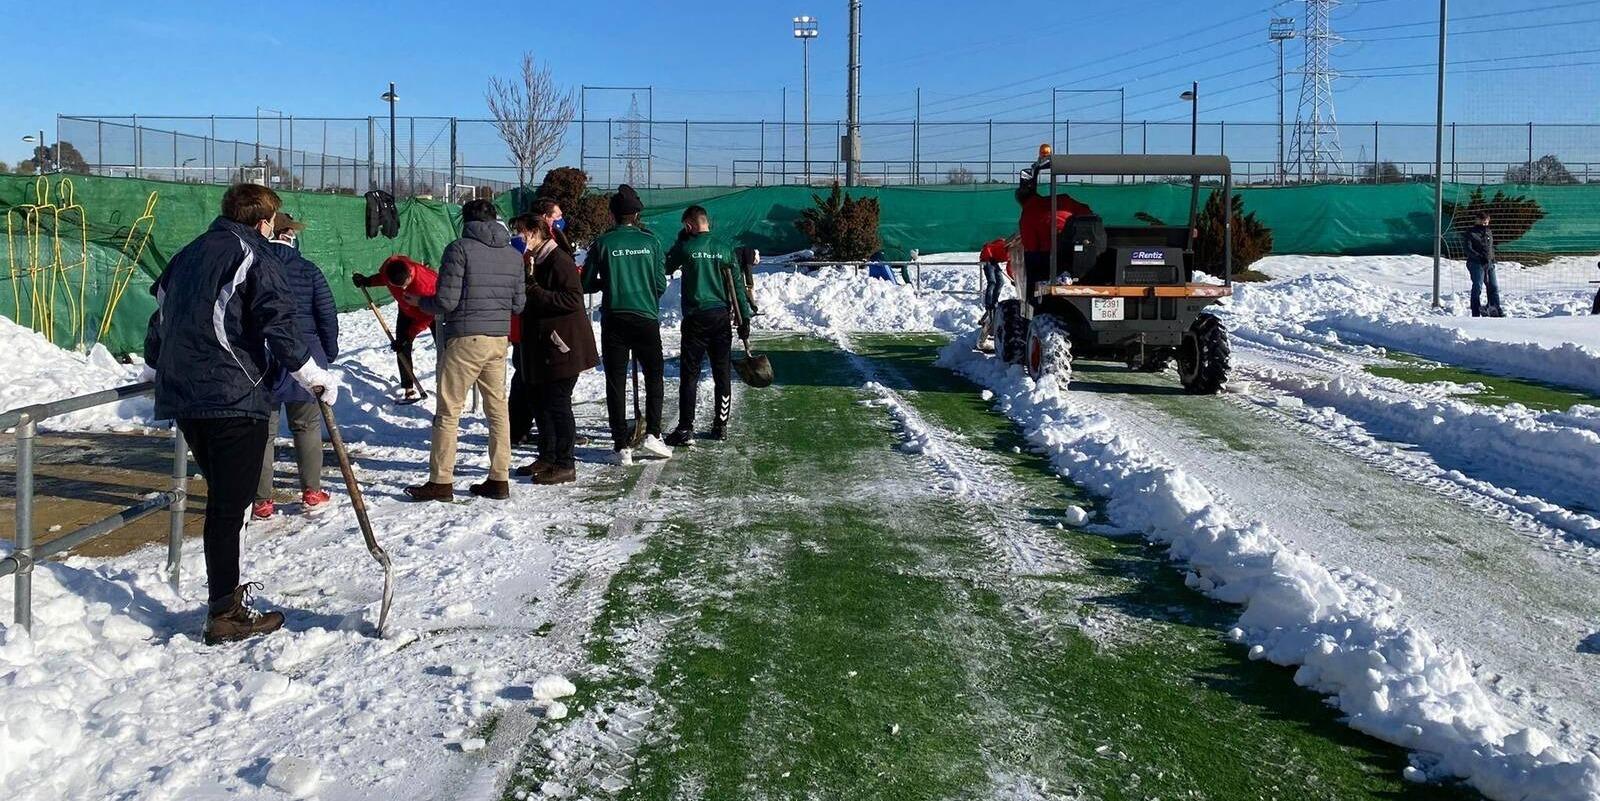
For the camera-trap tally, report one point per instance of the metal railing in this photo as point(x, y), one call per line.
point(22, 559)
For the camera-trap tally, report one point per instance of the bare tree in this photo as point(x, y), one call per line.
point(531, 114)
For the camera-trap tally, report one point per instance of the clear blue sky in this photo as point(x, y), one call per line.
point(729, 59)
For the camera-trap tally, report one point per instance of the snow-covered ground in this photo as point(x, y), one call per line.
point(113, 695)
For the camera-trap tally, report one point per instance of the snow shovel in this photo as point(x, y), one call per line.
point(359, 504)
point(405, 361)
point(754, 369)
point(637, 437)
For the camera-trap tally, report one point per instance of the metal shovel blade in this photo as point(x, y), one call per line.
point(359, 504)
point(755, 369)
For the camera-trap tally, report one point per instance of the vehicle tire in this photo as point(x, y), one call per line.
point(1010, 335)
point(1049, 350)
point(1203, 357)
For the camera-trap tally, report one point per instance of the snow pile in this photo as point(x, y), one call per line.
point(1542, 350)
point(834, 299)
point(1342, 629)
point(36, 371)
point(1555, 456)
point(1547, 335)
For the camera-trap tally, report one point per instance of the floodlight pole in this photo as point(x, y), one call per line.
point(1280, 30)
point(852, 152)
point(805, 29)
point(1438, 161)
point(391, 97)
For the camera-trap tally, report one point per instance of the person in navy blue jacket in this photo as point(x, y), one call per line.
point(221, 308)
point(317, 321)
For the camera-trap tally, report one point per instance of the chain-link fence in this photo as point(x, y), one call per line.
point(454, 158)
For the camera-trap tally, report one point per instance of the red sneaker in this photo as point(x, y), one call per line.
point(313, 498)
point(261, 510)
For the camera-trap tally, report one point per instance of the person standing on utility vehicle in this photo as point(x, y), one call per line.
point(708, 264)
point(480, 288)
point(1480, 267)
point(626, 266)
point(1035, 226)
point(221, 309)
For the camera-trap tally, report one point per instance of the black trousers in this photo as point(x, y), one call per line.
point(523, 392)
point(404, 360)
point(705, 333)
point(621, 336)
point(229, 451)
point(552, 411)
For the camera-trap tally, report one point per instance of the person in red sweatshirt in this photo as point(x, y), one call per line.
point(403, 276)
point(1034, 226)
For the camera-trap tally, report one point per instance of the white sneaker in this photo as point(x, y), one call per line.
point(655, 448)
point(623, 457)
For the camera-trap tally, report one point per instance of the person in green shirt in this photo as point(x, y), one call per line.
point(708, 264)
point(625, 265)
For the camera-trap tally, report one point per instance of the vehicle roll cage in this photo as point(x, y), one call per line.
point(1114, 164)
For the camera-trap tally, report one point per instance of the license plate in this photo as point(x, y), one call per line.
point(1105, 308)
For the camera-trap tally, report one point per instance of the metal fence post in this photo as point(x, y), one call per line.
point(685, 152)
point(988, 158)
point(1455, 168)
point(761, 163)
point(372, 155)
point(1377, 164)
point(138, 149)
point(180, 503)
point(22, 610)
point(448, 198)
point(1530, 153)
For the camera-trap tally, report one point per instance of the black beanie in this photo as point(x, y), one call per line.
point(625, 202)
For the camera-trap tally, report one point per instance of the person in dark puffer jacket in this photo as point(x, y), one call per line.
point(221, 307)
point(480, 288)
point(317, 320)
point(1479, 241)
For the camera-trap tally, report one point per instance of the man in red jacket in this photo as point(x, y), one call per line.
point(1035, 226)
point(403, 276)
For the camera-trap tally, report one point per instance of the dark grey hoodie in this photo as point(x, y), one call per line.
point(480, 283)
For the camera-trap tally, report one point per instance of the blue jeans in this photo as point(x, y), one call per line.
point(1482, 275)
point(991, 284)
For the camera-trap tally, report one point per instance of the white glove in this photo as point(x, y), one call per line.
point(314, 378)
point(147, 374)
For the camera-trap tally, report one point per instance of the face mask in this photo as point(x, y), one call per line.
point(561, 224)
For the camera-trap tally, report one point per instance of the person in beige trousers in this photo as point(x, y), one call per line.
point(480, 289)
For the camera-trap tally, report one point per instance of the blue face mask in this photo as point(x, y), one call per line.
point(561, 224)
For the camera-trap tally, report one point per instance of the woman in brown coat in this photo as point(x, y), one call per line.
point(557, 345)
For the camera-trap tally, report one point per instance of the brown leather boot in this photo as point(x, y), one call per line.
point(538, 466)
point(431, 491)
point(493, 490)
point(233, 619)
point(556, 475)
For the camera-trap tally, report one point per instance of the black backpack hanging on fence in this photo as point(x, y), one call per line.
point(382, 215)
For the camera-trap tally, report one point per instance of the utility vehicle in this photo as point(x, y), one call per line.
point(1122, 293)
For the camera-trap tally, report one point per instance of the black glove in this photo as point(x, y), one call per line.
point(744, 330)
point(396, 344)
point(360, 280)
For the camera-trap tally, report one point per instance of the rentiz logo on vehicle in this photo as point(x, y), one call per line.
point(1148, 258)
